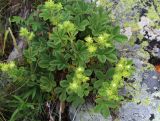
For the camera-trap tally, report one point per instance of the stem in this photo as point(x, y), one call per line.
point(13, 38)
point(5, 39)
point(60, 111)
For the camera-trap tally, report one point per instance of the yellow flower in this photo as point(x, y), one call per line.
point(80, 70)
point(92, 48)
point(89, 39)
point(73, 86)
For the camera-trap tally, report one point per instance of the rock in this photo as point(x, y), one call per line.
point(128, 32)
point(150, 78)
point(134, 112)
point(17, 54)
point(86, 113)
point(144, 22)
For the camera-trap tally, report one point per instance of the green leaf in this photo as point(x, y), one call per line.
point(63, 96)
point(88, 72)
point(116, 30)
point(111, 104)
point(99, 74)
point(64, 83)
point(110, 72)
point(45, 14)
point(31, 54)
point(81, 24)
point(105, 112)
point(97, 84)
point(59, 90)
point(120, 38)
point(102, 58)
point(59, 36)
point(46, 84)
point(44, 61)
point(112, 58)
point(36, 26)
point(17, 19)
point(75, 99)
point(81, 53)
point(60, 61)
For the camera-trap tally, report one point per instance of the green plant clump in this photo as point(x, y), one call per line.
point(70, 55)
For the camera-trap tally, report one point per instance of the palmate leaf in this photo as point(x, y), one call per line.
point(98, 22)
point(62, 90)
point(81, 53)
point(104, 105)
point(79, 8)
point(103, 108)
point(62, 93)
point(44, 61)
point(30, 54)
point(47, 84)
point(100, 53)
point(60, 61)
point(81, 24)
point(59, 36)
point(46, 15)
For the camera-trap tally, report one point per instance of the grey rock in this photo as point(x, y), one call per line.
point(134, 112)
point(17, 54)
point(86, 113)
point(150, 78)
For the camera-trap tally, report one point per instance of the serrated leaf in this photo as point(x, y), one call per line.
point(44, 63)
point(102, 58)
point(46, 84)
point(99, 74)
point(64, 83)
point(45, 14)
point(111, 58)
point(97, 84)
point(88, 72)
point(110, 72)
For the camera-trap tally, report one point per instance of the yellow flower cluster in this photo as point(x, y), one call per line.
point(25, 33)
point(78, 79)
point(7, 66)
point(67, 26)
point(52, 6)
point(123, 69)
point(100, 41)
